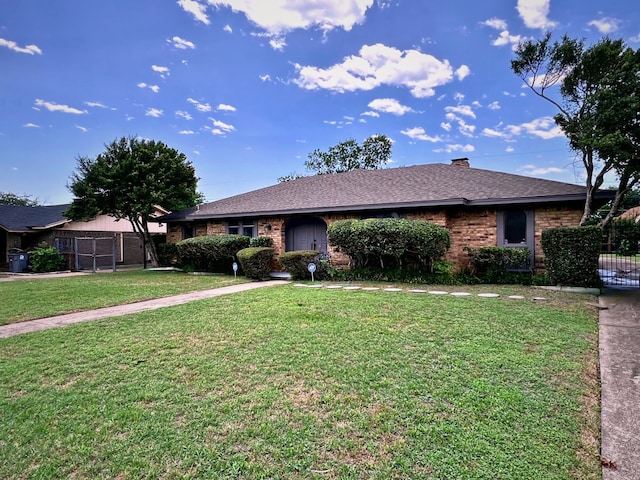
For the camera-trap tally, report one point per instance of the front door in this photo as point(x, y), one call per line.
point(306, 234)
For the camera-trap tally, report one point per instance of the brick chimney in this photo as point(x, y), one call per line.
point(461, 162)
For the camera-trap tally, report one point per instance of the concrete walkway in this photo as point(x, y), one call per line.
point(119, 310)
point(620, 378)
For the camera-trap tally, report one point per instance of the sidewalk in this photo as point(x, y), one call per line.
point(119, 310)
point(620, 378)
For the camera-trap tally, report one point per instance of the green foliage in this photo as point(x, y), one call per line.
point(167, 254)
point(374, 153)
point(128, 179)
point(625, 235)
point(598, 108)
point(45, 259)
point(261, 242)
point(571, 255)
point(493, 264)
point(297, 263)
point(8, 198)
point(389, 242)
point(256, 262)
point(212, 253)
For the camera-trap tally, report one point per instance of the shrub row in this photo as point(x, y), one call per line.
point(297, 264)
point(211, 253)
point(389, 242)
point(256, 262)
point(496, 264)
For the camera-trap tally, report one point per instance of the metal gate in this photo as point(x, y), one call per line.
point(619, 258)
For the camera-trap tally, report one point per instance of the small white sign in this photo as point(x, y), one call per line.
point(312, 267)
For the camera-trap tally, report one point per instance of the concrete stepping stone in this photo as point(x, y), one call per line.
point(370, 289)
point(392, 289)
point(488, 295)
point(460, 294)
point(352, 288)
point(417, 290)
point(315, 285)
point(437, 292)
point(516, 297)
point(334, 287)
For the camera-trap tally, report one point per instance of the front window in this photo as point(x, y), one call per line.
point(242, 227)
point(515, 227)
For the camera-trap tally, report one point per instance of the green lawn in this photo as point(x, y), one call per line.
point(38, 298)
point(300, 383)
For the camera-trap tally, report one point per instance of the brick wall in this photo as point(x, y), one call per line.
point(474, 228)
point(552, 217)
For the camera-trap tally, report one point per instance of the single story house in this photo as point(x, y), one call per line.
point(23, 228)
point(632, 213)
point(478, 207)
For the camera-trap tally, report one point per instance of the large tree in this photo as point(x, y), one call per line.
point(373, 153)
point(128, 179)
point(8, 198)
point(598, 101)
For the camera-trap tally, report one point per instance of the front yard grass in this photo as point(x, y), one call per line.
point(301, 383)
point(29, 299)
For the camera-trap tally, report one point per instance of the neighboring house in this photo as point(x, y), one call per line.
point(478, 207)
point(23, 228)
point(633, 213)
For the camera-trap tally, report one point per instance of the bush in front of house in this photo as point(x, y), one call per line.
point(45, 258)
point(261, 242)
point(571, 255)
point(256, 262)
point(211, 253)
point(297, 263)
point(389, 242)
point(496, 264)
point(167, 254)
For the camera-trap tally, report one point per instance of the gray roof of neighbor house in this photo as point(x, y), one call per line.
point(429, 185)
point(19, 219)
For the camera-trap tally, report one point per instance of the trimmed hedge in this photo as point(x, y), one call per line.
point(389, 242)
point(261, 242)
point(297, 264)
point(167, 254)
point(256, 262)
point(571, 255)
point(211, 253)
point(625, 235)
point(494, 264)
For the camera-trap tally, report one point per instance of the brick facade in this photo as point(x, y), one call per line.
point(468, 228)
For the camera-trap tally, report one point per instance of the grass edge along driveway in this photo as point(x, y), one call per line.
point(299, 383)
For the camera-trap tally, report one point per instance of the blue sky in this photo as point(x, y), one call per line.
point(246, 89)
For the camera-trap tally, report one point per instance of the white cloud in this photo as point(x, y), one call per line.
point(461, 110)
point(82, 129)
point(225, 108)
point(181, 43)
point(153, 88)
point(378, 65)
point(534, 13)
point(201, 107)
point(496, 23)
point(221, 127)
point(183, 114)
point(389, 105)
point(98, 105)
point(446, 126)
point(228, 29)
point(163, 71)
point(418, 133)
point(28, 49)
point(544, 127)
point(265, 78)
point(370, 114)
point(462, 72)
point(277, 17)
point(55, 107)
point(490, 132)
point(505, 38)
point(606, 25)
point(456, 148)
point(153, 112)
point(537, 171)
point(494, 106)
point(196, 9)
point(278, 43)
point(31, 125)
point(186, 132)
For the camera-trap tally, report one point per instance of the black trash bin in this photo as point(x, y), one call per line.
point(18, 262)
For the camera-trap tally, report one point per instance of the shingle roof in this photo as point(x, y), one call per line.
point(18, 218)
point(429, 185)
